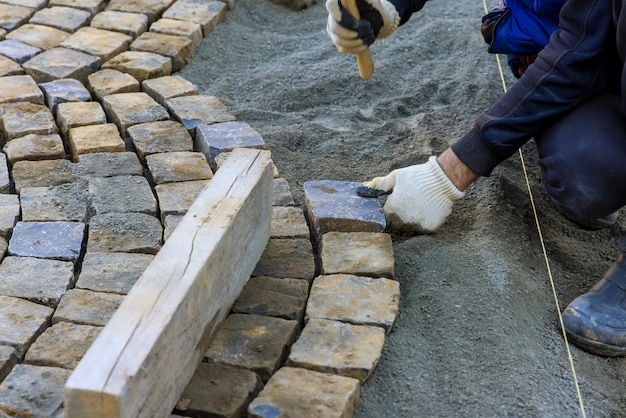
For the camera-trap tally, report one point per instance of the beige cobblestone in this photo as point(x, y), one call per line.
point(104, 44)
point(43, 173)
point(34, 147)
point(24, 118)
point(67, 19)
point(60, 63)
point(8, 359)
point(75, 114)
point(85, 307)
point(131, 24)
point(108, 81)
point(288, 222)
point(360, 253)
point(151, 8)
point(92, 6)
point(21, 322)
point(141, 65)
point(128, 109)
point(176, 198)
point(171, 167)
point(164, 88)
point(20, 88)
point(38, 36)
point(95, 138)
point(112, 272)
point(281, 195)
point(192, 111)
point(271, 296)
point(13, 16)
point(178, 48)
point(9, 67)
point(287, 258)
point(191, 30)
point(207, 14)
point(35, 4)
point(9, 213)
point(156, 137)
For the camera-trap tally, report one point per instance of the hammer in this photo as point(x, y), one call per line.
point(363, 58)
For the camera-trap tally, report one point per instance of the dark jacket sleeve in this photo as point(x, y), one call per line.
point(572, 68)
point(406, 8)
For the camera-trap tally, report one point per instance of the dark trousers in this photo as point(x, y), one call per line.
point(583, 158)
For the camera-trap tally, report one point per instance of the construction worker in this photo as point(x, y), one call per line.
point(571, 100)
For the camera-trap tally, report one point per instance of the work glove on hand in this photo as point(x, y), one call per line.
point(422, 197)
point(379, 19)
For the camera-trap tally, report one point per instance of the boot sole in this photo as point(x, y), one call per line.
point(596, 347)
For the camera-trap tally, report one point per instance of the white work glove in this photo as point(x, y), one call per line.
point(379, 19)
point(422, 197)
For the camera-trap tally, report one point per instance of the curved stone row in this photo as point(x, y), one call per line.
point(104, 149)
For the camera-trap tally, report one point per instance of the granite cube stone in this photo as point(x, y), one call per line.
point(151, 8)
point(125, 232)
point(281, 193)
point(91, 6)
point(173, 167)
point(14, 16)
point(109, 164)
point(58, 63)
point(178, 48)
point(38, 36)
point(164, 88)
point(128, 109)
point(62, 345)
point(85, 307)
point(18, 51)
point(8, 67)
point(33, 391)
point(63, 91)
point(122, 194)
point(21, 322)
point(95, 138)
point(20, 88)
point(104, 44)
point(8, 359)
point(9, 214)
point(211, 140)
point(67, 19)
point(43, 173)
point(156, 137)
point(35, 4)
point(207, 14)
point(288, 222)
point(107, 81)
point(24, 118)
point(131, 24)
point(112, 272)
point(5, 180)
point(177, 198)
point(360, 253)
point(55, 240)
point(75, 114)
point(34, 147)
point(287, 258)
point(141, 65)
point(169, 224)
point(271, 296)
point(67, 202)
point(195, 110)
point(191, 30)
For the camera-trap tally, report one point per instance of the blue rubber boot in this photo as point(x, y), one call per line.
point(596, 321)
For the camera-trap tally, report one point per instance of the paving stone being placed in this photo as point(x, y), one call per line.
point(214, 139)
point(171, 167)
point(338, 348)
point(207, 14)
point(252, 342)
point(24, 118)
point(178, 48)
point(281, 193)
point(176, 198)
point(164, 88)
point(92, 6)
point(122, 194)
point(125, 232)
point(43, 173)
point(94, 138)
point(156, 137)
point(109, 164)
point(334, 206)
point(191, 30)
point(128, 109)
point(360, 253)
point(151, 8)
point(34, 148)
point(107, 81)
point(85, 307)
point(18, 51)
point(20, 88)
point(271, 296)
point(193, 111)
point(219, 391)
point(141, 65)
point(112, 272)
point(54, 240)
point(21, 322)
point(62, 91)
point(288, 222)
point(353, 299)
point(33, 391)
point(67, 202)
point(37, 280)
point(8, 67)
point(104, 44)
point(38, 36)
point(295, 392)
point(287, 258)
point(62, 345)
point(58, 63)
point(9, 213)
point(67, 19)
point(14, 16)
point(8, 359)
point(78, 113)
point(131, 24)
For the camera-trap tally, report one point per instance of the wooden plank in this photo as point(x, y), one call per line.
point(150, 348)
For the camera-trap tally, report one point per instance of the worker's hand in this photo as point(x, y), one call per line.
point(422, 197)
point(379, 19)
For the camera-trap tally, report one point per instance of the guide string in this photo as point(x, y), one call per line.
point(545, 254)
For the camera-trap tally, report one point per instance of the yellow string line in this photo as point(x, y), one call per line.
point(545, 254)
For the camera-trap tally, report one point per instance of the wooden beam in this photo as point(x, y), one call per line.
point(148, 351)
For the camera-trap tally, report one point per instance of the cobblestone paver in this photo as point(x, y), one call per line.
point(105, 148)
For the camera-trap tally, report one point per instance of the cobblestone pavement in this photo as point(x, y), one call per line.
point(104, 150)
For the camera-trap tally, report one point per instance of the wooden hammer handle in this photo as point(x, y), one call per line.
point(363, 58)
